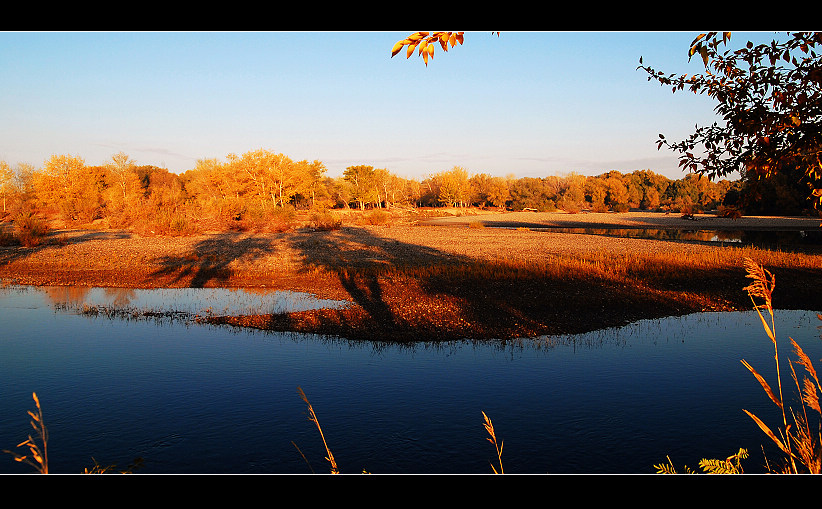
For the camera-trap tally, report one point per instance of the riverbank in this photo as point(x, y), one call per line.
point(425, 281)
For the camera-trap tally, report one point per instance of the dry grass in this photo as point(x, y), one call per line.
point(37, 455)
point(799, 441)
point(489, 427)
point(313, 418)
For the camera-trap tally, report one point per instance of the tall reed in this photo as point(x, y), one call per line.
point(797, 439)
point(489, 427)
point(801, 445)
point(313, 418)
point(38, 453)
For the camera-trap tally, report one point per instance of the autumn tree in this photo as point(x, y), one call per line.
point(487, 190)
point(617, 192)
point(572, 192)
point(121, 169)
point(363, 184)
point(454, 187)
point(533, 193)
point(65, 185)
point(595, 193)
point(769, 97)
point(311, 176)
point(208, 181)
point(6, 181)
point(123, 184)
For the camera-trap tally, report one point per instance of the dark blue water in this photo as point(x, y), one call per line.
point(189, 398)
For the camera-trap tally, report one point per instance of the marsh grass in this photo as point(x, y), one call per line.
point(489, 427)
point(37, 447)
point(312, 416)
point(798, 439)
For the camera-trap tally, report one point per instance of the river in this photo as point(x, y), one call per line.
point(202, 399)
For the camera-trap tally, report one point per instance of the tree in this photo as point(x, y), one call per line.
point(67, 185)
point(770, 98)
point(489, 191)
point(454, 188)
point(263, 175)
point(6, 179)
point(362, 180)
point(121, 168)
point(312, 179)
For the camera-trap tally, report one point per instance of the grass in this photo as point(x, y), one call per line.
point(800, 442)
point(37, 447)
point(313, 418)
point(797, 438)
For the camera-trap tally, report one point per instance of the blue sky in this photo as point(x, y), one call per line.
point(531, 104)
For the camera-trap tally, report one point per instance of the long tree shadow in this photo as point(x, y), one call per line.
point(381, 276)
point(407, 292)
point(209, 262)
point(12, 251)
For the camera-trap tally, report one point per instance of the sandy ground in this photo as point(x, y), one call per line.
point(123, 258)
point(339, 264)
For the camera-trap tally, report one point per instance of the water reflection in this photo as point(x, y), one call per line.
point(191, 301)
point(754, 237)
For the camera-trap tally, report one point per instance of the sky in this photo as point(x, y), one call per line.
point(531, 104)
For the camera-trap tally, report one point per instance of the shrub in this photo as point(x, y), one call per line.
point(376, 217)
point(29, 229)
point(325, 220)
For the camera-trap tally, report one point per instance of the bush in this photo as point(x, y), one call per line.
point(376, 217)
point(29, 229)
point(325, 220)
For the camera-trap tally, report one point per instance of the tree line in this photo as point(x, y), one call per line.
point(260, 186)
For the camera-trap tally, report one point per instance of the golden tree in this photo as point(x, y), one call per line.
point(66, 185)
point(6, 180)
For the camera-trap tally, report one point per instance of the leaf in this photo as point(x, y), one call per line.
point(397, 47)
point(764, 384)
point(764, 427)
point(423, 45)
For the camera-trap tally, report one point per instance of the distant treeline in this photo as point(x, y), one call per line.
point(261, 186)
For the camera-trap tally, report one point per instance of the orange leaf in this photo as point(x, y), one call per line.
point(767, 431)
point(764, 384)
point(397, 47)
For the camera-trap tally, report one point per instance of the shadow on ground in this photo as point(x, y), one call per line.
point(209, 262)
point(405, 292)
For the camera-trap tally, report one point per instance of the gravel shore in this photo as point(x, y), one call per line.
point(346, 264)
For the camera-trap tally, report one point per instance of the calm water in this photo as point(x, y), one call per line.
point(200, 399)
point(772, 239)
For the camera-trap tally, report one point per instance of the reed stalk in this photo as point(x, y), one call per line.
point(801, 446)
point(312, 416)
point(38, 453)
point(489, 427)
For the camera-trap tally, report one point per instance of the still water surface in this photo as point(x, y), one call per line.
point(190, 398)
